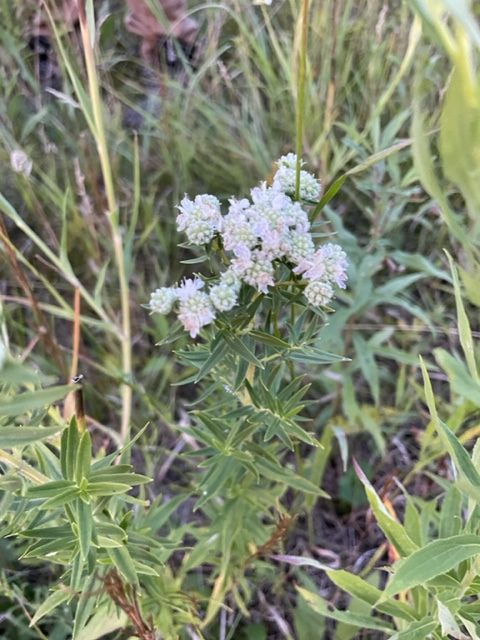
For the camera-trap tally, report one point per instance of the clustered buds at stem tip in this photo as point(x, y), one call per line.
point(254, 233)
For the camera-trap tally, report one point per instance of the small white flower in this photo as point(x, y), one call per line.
point(162, 300)
point(259, 273)
point(195, 309)
point(223, 297)
point(20, 162)
point(289, 161)
point(297, 217)
point(329, 262)
point(268, 209)
point(336, 263)
point(201, 218)
point(319, 293)
point(301, 246)
point(237, 231)
point(230, 279)
point(285, 179)
point(242, 260)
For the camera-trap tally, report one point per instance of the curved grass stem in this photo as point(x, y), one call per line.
point(98, 131)
point(302, 70)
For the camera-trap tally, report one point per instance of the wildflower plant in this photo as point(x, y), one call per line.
point(256, 316)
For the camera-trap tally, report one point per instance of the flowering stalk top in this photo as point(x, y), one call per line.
point(256, 234)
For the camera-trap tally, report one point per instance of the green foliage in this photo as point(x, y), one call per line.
point(438, 549)
point(274, 418)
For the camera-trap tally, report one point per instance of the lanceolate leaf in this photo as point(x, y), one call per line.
point(356, 586)
point(319, 605)
point(54, 600)
point(284, 474)
point(434, 559)
point(392, 529)
point(21, 436)
point(32, 400)
point(416, 630)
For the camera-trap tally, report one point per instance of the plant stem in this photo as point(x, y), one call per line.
point(300, 116)
point(113, 217)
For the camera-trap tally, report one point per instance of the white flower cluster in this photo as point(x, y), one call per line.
point(254, 233)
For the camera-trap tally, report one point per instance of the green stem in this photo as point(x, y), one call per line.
point(300, 115)
point(113, 216)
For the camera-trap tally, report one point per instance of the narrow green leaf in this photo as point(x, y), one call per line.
point(359, 588)
point(422, 157)
point(54, 600)
point(68, 450)
point(238, 346)
point(21, 436)
point(52, 533)
point(123, 562)
point(62, 498)
point(393, 530)
point(287, 476)
point(122, 478)
point(32, 400)
point(84, 457)
point(268, 339)
point(49, 489)
point(459, 454)
point(85, 526)
point(434, 559)
point(319, 605)
point(417, 630)
point(85, 605)
point(104, 621)
point(107, 488)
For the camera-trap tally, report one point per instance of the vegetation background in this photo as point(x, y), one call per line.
point(391, 115)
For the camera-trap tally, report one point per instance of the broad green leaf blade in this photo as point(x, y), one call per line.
point(21, 436)
point(422, 157)
point(459, 141)
point(434, 559)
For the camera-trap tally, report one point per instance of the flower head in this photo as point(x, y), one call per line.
point(285, 179)
point(162, 300)
point(201, 218)
point(20, 162)
point(256, 270)
point(301, 246)
point(223, 297)
point(195, 308)
point(319, 293)
point(328, 263)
